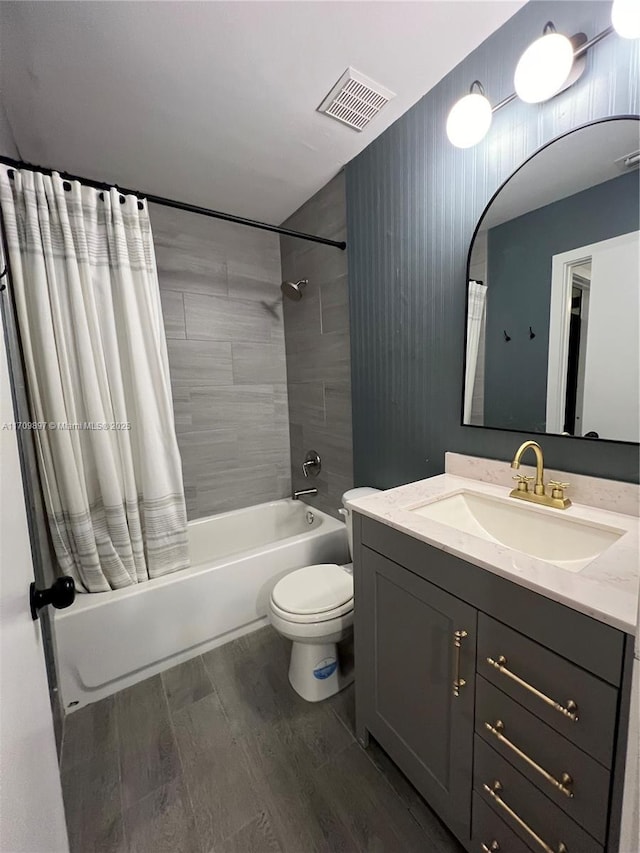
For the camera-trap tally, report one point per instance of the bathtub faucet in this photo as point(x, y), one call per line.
point(302, 492)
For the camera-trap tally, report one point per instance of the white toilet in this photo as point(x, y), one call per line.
point(313, 607)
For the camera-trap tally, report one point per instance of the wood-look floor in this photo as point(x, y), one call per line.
point(219, 755)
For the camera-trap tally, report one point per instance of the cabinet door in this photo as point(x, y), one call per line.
point(416, 665)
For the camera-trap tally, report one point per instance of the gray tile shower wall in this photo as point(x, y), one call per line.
point(318, 348)
point(413, 201)
point(7, 142)
point(220, 290)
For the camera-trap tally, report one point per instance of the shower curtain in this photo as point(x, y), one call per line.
point(88, 307)
point(475, 317)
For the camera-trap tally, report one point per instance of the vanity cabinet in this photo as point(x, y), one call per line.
point(420, 681)
point(506, 710)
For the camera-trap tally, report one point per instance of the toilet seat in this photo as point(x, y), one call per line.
point(315, 593)
point(312, 618)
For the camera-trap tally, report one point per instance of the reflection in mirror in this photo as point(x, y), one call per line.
point(553, 308)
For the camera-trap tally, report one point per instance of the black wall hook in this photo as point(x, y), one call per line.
point(506, 337)
point(532, 334)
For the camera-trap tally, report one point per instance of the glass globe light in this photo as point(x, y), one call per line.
point(625, 17)
point(469, 119)
point(544, 67)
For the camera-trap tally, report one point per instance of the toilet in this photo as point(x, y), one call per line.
point(313, 607)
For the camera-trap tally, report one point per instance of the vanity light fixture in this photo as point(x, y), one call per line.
point(625, 17)
point(469, 119)
point(544, 69)
point(548, 66)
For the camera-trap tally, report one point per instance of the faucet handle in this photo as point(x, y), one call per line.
point(312, 464)
point(523, 482)
point(557, 488)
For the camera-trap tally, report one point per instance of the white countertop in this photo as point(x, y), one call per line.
point(606, 589)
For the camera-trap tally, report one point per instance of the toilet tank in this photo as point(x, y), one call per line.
point(352, 495)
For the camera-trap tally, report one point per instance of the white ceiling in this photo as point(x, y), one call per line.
point(215, 102)
point(574, 163)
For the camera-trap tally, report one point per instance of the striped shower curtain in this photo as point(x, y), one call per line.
point(86, 292)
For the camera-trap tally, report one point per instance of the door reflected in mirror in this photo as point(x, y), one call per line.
point(553, 306)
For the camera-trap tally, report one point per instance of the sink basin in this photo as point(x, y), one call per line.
point(542, 533)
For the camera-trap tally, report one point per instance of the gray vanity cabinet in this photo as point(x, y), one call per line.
point(506, 710)
point(418, 685)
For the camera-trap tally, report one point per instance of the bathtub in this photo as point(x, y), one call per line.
point(110, 640)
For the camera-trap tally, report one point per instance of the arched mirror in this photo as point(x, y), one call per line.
point(553, 308)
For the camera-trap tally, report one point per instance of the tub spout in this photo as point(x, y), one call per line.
point(302, 492)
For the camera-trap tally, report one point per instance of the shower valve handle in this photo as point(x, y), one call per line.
point(312, 464)
point(61, 594)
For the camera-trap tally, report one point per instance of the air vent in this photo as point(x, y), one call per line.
point(628, 162)
point(355, 99)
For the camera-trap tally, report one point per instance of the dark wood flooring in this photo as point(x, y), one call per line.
point(220, 755)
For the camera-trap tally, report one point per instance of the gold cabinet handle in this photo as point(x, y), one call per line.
point(569, 711)
point(497, 731)
point(492, 790)
point(458, 683)
point(492, 848)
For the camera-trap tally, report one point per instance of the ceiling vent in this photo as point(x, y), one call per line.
point(355, 99)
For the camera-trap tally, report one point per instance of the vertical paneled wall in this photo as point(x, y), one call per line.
point(413, 201)
point(317, 342)
point(220, 289)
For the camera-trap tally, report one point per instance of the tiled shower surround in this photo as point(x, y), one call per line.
point(247, 408)
point(318, 348)
point(220, 290)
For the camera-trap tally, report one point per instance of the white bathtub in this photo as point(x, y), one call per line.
point(109, 640)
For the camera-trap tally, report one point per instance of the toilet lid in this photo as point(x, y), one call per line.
point(314, 589)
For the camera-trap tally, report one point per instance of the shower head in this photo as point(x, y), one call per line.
point(293, 289)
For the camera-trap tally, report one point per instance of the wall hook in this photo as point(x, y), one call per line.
point(506, 337)
point(532, 334)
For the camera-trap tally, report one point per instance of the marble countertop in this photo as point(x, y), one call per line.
point(606, 589)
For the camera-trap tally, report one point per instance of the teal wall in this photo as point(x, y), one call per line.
point(520, 255)
point(413, 201)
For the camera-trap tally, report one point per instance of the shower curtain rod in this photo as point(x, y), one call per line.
point(178, 205)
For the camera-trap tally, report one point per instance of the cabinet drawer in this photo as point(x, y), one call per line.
point(531, 815)
point(573, 702)
point(490, 833)
point(544, 756)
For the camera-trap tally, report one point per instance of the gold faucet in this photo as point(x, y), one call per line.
point(538, 495)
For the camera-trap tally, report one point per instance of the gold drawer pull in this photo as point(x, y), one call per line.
point(493, 792)
point(569, 711)
point(458, 683)
point(492, 848)
point(497, 731)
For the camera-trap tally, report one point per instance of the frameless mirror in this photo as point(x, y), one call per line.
point(553, 308)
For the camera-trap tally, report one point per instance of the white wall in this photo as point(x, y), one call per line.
point(612, 372)
point(630, 834)
point(31, 810)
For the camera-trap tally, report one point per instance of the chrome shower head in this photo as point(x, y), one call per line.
point(293, 289)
